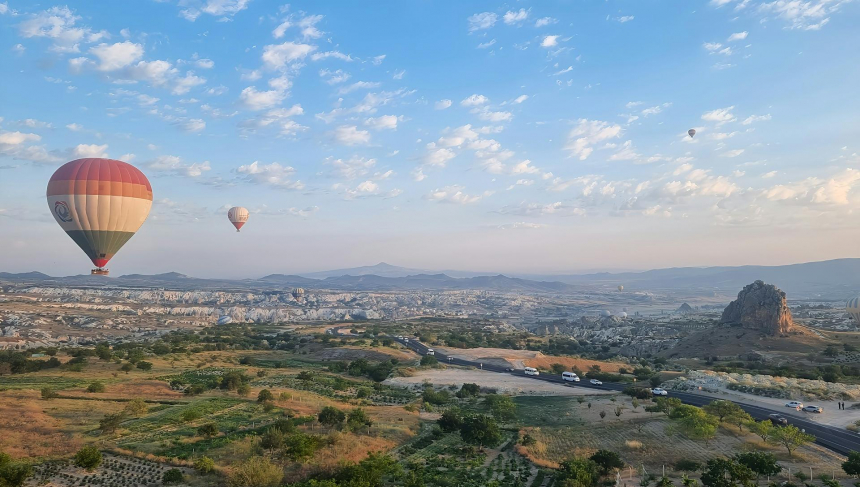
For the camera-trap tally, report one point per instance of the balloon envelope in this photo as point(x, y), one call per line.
point(100, 204)
point(853, 309)
point(620, 288)
point(238, 216)
point(691, 133)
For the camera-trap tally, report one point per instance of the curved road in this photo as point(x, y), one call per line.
point(837, 439)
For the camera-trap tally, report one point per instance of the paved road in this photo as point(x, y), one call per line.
point(837, 439)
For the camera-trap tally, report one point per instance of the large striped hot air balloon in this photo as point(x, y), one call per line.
point(238, 216)
point(853, 309)
point(100, 203)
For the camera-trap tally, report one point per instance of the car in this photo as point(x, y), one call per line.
point(777, 419)
point(596, 382)
point(812, 409)
point(794, 405)
point(509, 369)
point(569, 377)
point(659, 392)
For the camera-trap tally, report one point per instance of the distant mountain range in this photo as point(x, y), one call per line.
point(832, 279)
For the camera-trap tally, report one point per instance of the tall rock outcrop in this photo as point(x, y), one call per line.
point(760, 306)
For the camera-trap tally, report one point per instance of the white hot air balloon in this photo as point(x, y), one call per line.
point(853, 309)
point(620, 288)
point(238, 216)
point(691, 133)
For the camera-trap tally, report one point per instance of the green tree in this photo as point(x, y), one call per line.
point(577, 472)
point(12, 473)
point(763, 429)
point(208, 430)
point(111, 422)
point(243, 390)
point(759, 462)
point(331, 416)
point(694, 422)
point(722, 409)
point(357, 419)
point(791, 438)
point(667, 404)
point(136, 407)
point(429, 360)
point(49, 393)
point(437, 398)
point(96, 387)
point(852, 465)
point(739, 418)
point(204, 464)
point(503, 408)
point(265, 395)
point(369, 472)
point(88, 457)
point(663, 481)
point(172, 476)
point(480, 430)
point(468, 390)
point(557, 368)
point(686, 481)
point(144, 366)
point(127, 367)
point(103, 351)
point(300, 446)
point(255, 472)
point(606, 461)
point(450, 421)
point(725, 472)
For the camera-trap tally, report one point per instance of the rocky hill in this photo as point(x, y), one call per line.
point(761, 307)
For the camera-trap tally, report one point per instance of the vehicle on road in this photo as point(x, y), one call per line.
point(406, 340)
point(531, 371)
point(794, 405)
point(509, 369)
point(812, 409)
point(570, 377)
point(430, 351)
point(596, 382)
point(657, 391)
point(777, 419)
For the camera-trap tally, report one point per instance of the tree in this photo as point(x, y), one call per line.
point(791, 438)
point(357, 419)
point(667, 404)
point(127, 367)
point(48, 393)
point(331, 416)
point(172, 476)
point(136, 407)
point(88, 457)
point(468, 390)
point(557, 368)
point(111, 422)
point(606, 461)
point(852, 465)
point(739, 418)
point(255, 472)
point(437, 398)
point(686, 481)
point(300, 446)
point(204, 464)
point(305, 375)
point(103, 351)
point(602, 414)
point(577, 472)
point(724, 472)
point(502, 407)
point(763, 429)
point(265, 396)
point(480, 430)
point(144, 366)
point(243, 390)
point(368, 472)
point(273, 439)
point(759, 462)
point(208, 430)
point(664, 481)
point(450, 421)
point(694, 422)
point(429, 360)
point(96, 387)
point(12, 473)
point(721, 409)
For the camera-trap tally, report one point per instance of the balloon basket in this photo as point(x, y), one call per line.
point(99, 272)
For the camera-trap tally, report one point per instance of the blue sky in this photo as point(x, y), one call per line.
point(510, 137)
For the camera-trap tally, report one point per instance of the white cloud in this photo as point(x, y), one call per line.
point(443, 104)
point(521, 99)
point(474, 100)
point(633, 104)
point(377, 60)
point(89, 150)
point(482, 21)
point(733, 153)
point(358, 85)
point(438, 157)
point(351, 135)
point(802, 14)
point(352, 168)
point(624, 19)
point(769, 175)
point(517, 17)
point(755, 118)
point(74, 127)
point(544, 21)
point(399, 74)
point(193, 125)
point(655, 110)
point(116, 56)
point(278, 56)
point(204, 63)
point(274, 175)
point(485, 45)
point(536, 209)
point(454, 194)
point(175, 165)
point(737, 36)
point(17, 138)
point(720, 115)
point(457, 137)
point(252, 99)
point(334, 77)
point(487, 115)
point(217, 8)
point(34, 124)
point(625, 153)
point(588, 133)
point(319, 56)
point(59, 24)
point(549, 41)
point(384, 122)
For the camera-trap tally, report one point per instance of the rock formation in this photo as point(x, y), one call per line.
point(685, 309)
point(762, 307)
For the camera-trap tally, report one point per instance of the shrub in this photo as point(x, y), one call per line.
point(265, 396)
point(88, 457)
point(204, 465)
point(96, 387)
point(48, 393)
point(136, 407)
point(172, 476)
point(145, 366)
point(255, 472)
point(686, 465)
point(208, 430)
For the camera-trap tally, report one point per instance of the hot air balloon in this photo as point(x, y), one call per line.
point(620, 288)
point(298, 293)
point(691, 133)
point(853, 309)
point(238, 216)
point(100, 204)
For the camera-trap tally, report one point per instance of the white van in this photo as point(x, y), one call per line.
point(531, 371)
point(430, 351)
point(570, 376)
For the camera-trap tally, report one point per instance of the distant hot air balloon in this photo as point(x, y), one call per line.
point(238, 216)
point(691, 133)
point(100, 204)
point(853, 309)
point(620, 288)
point(298, 293)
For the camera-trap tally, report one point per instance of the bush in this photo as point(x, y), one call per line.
point(438, 398)
point(204, 465)
point(638, 392)
point(429, 360)
point(255, 472)
point(48, 393)
point(172, 476)
point(13, 474)
point(685, 465)
point(265, 396)
point(145, 366)
point(96, 387)
point(208, 430)
point(88, 457)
